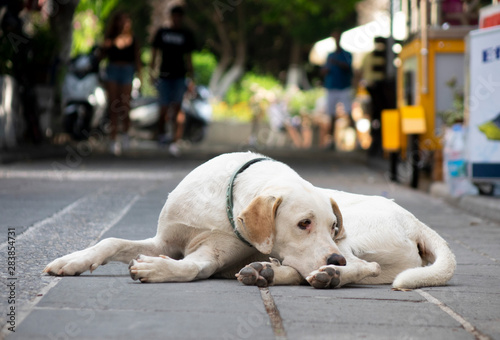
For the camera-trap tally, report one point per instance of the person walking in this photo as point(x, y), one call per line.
point(338, 78)
point(122, 51)
point(175, 43)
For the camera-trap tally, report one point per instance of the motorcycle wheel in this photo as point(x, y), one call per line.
point(196, 134)
point(77, 123)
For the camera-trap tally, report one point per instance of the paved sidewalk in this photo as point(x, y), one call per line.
point(484, 206)
point(109, 305)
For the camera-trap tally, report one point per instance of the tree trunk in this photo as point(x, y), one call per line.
point(231, 76)
point(61, 21)
point(226, 51)
point(295, 73)
point(236, 70)
point(219, 71)
point(238, 67)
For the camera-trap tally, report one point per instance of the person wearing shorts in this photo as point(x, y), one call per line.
point(175, 43)
point(338, 78)
point(122, 50)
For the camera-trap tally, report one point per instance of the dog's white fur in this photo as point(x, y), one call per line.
point(283, 217)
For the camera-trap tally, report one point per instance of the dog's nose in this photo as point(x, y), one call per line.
point(336, 259)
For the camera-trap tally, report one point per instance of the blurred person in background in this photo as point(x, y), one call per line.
point(338, 78)
point(122, 51)
point(175, 43)
point(298, 127)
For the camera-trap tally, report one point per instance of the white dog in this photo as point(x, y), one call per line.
point(241, 207)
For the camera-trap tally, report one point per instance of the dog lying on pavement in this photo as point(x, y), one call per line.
point(242, 208)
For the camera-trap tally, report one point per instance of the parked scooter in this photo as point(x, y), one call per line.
point(198, 112)
point(84, 99)
point(144, 113)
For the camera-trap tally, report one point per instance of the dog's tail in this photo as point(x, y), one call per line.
point(433, 249)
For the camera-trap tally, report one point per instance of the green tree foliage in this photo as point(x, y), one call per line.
point(249, 84)
point(204, 63)
point(305, 101)
point(91, 18)
point(309, 21)
point(89, 23)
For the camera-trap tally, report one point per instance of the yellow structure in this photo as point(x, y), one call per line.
point(420, 78)
point(413, 120)
point(407, 120)
point(391, 130)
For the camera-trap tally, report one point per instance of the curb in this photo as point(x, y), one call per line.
point(32, 152)
point(483, 206)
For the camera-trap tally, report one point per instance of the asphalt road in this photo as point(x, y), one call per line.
point(56, 206)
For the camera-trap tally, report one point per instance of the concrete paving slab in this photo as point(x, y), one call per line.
point(366, 330)
point(480, 308)
point(115, 307)
point(476, 278)
point(35, 200)
point(120, 292)
point(368, 292)
point(141, 220)
point(133, 324)
point(338, 314)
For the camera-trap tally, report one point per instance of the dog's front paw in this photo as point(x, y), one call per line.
point(72, 264)
point(325, 277)
point(155, 269)
point(259, 274)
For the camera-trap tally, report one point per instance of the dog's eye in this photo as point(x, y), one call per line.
point(304, 224)
point(335, 229)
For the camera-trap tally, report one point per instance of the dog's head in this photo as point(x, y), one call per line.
point(297, 226)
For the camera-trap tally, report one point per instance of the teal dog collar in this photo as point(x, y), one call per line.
point(229, 195)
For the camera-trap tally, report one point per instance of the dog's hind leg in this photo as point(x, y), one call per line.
point(110, 249)
point(207, 254)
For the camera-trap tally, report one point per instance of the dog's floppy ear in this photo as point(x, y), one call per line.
point(256, 222)
point(339, 232)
